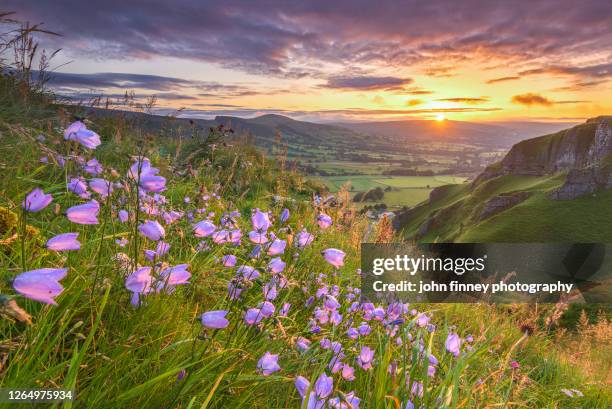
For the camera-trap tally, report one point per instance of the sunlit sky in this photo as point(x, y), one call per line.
point(340, 60)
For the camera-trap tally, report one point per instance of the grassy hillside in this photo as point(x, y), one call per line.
point(543, 220)
point(291, 324)
point(537, 219)
point(528, 174)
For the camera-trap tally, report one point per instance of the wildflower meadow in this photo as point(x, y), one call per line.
point(141, 270)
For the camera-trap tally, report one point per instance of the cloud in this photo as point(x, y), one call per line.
point(203, 104)
point(361, 83)
point(173, 96)
point(242, 112)
point(577, 86)
point(375, 112)
point(503, 79)
point(581, 77)
point(172, 88)
point(414, 102)
point(316, 115)
point(378, 100)
point(118, 98)
point(530, 99)
point(88, 96)
point(571, 102)
point(417, 91)
point(440, 72)
point(589, 71)
point(297, 38)
point(469, 101)
point(117, 80)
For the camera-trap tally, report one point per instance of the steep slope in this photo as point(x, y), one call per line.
point(552, 188)
point(584, 145)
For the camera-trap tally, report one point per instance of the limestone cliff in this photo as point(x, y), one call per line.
point(583, 151)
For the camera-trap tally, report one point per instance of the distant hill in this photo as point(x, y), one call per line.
point(498, 135)
point(532, 129)
point(303, 139)
point(301, 133)
point(307, 139)
point(553, 188)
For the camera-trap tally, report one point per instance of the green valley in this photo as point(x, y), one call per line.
point(399, 191)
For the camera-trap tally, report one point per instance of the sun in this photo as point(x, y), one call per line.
point(440, 117)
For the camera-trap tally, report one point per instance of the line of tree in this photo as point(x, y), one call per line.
point(408, 172)
point(371, 195)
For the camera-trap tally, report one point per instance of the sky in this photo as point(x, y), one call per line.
point(473, 60)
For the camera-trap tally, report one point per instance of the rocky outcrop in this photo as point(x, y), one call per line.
point(601, 147)
point(584, 152)
point(585, 145)
point(580, 182)
point(502, 202)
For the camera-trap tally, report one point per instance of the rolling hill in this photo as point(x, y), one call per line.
point(303, 139)
point(306, 138)
point(494, 135)
point(553, 188)
point(302, 134)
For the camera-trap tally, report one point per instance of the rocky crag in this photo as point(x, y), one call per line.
point(584, 152)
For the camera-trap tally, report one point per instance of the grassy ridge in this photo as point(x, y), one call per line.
point(537, 219)
point(583, 220)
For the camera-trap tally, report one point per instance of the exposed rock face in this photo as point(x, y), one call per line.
point(502, 202)
point(580, 182)
point(585, 145)
point(601, 147)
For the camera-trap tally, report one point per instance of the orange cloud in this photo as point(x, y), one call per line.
point(365, 82)
point(417, 91)
point(465, 100)
point(530, 99)
point(502, 79)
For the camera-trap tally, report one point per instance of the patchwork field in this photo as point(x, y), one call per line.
point(404, 190)
point(337, 167)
